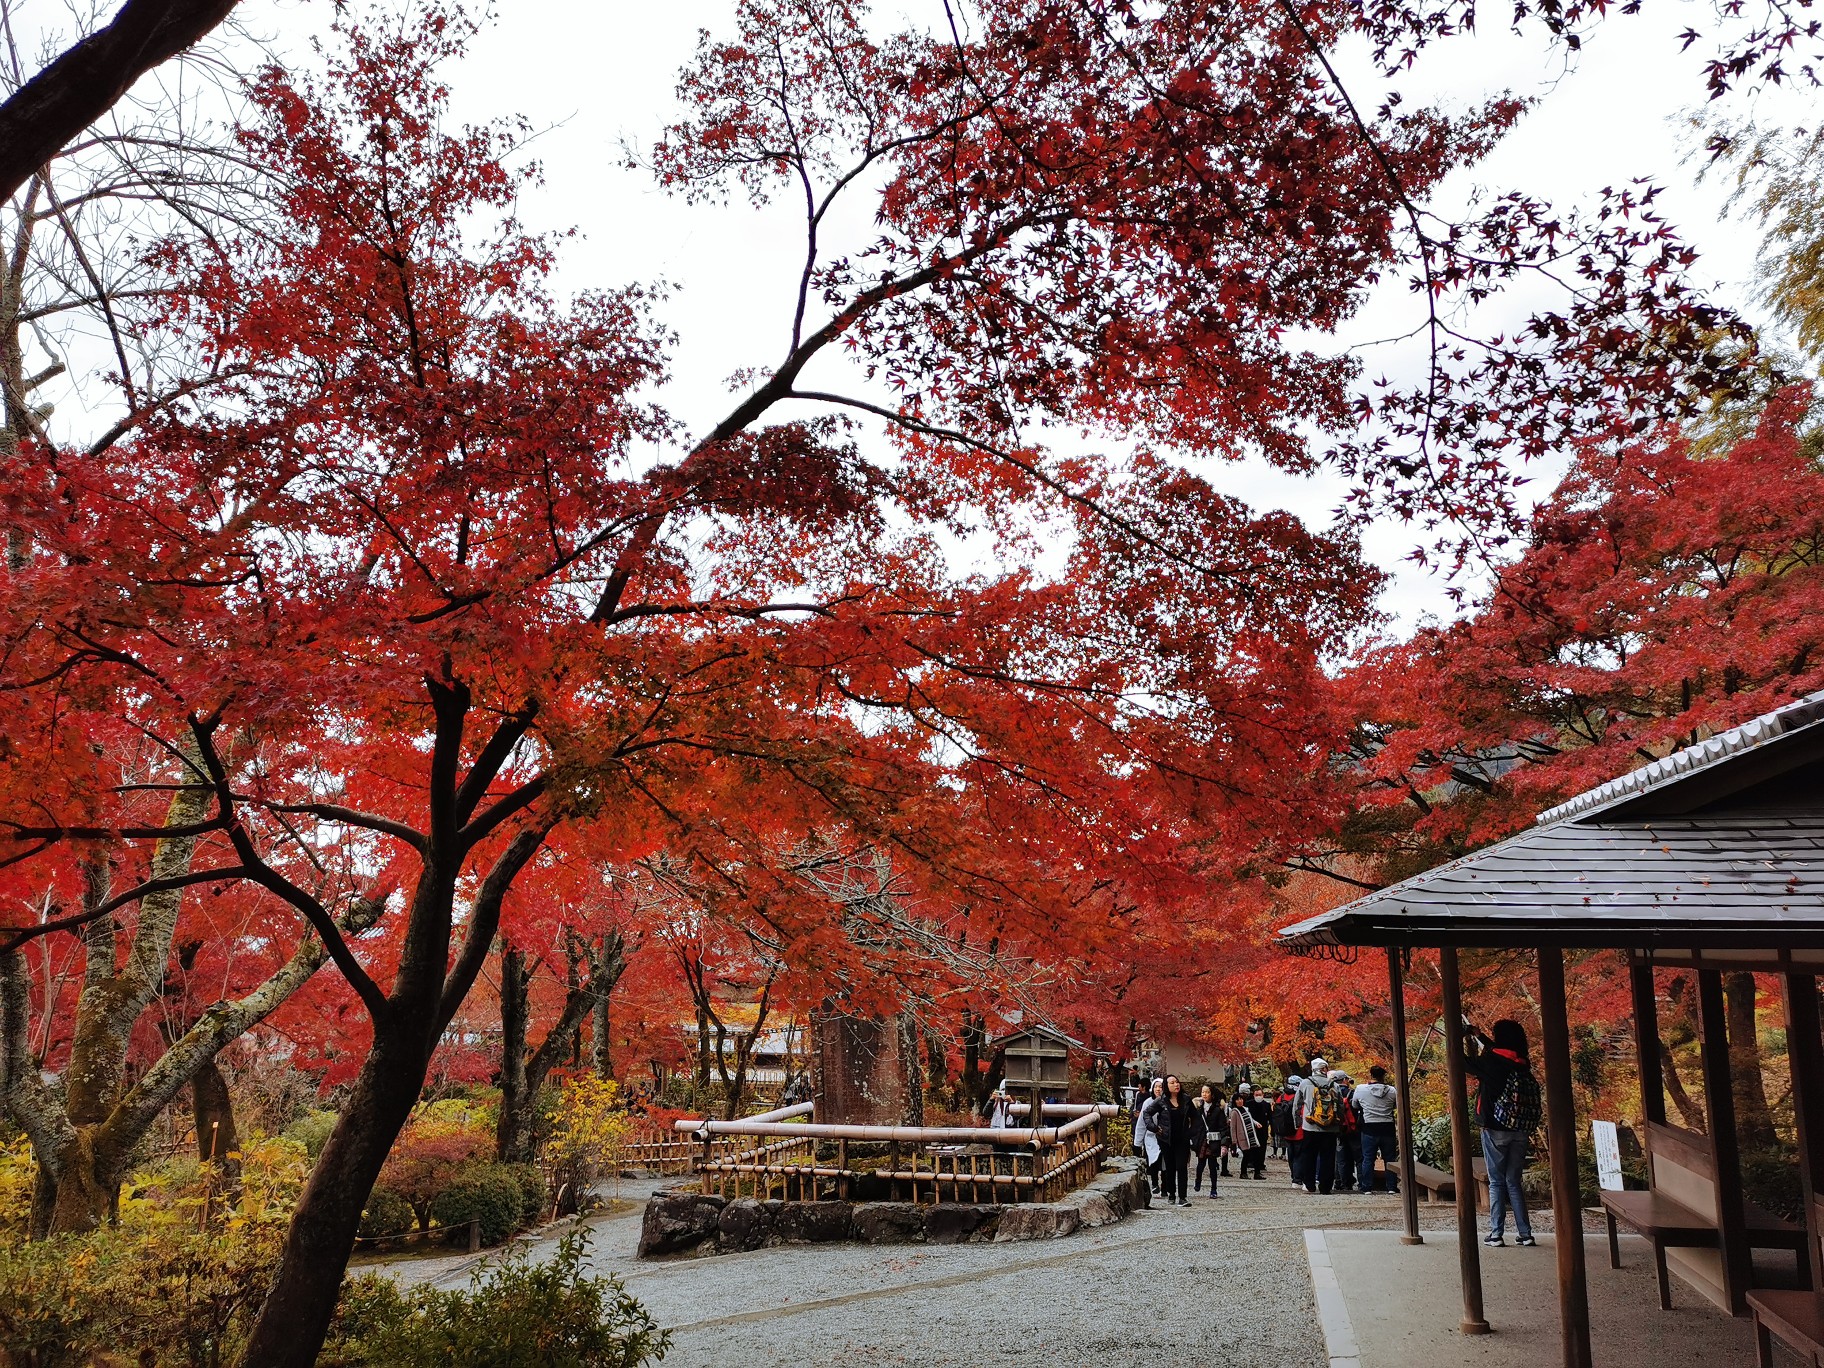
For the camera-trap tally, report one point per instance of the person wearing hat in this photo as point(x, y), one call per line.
point(1319, 1115)
point(1260, 1111)
point(1149, 1129)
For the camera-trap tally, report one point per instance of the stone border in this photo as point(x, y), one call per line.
point(679, 1224)
point(1332, 1311)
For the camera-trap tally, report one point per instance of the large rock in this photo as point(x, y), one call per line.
point(890, 1223)
point(815, 1222)
point(679, 1223)
point(955, 1222)
point(1039, 1221)
point(747, 1224)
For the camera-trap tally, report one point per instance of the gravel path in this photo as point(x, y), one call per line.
point(1229, 1275)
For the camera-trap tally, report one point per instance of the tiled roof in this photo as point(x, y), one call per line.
point(1601, 870)
point(1781, 721)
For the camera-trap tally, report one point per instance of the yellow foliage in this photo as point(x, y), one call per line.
point(18, 1172)
point(590, 1125)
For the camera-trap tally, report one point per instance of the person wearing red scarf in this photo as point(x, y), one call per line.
point(1505, 1151)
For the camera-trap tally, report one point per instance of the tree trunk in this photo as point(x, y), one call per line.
point(297, 1312)
point(1753, 1117)
point(601, 1043)
point(513, 1130)
point(523, 1074)
point(1690, 1111)
point(217, 1141)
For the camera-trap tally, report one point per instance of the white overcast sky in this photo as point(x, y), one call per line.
point(598, 76)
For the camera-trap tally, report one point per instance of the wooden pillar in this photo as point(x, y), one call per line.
point(1469, 1253)
point(1561, 1142)
point(1409, 1187)
point(1725, 1145)
point(1646, 1042)
point(1805, 1051)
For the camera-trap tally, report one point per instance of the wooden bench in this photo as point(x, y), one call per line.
point(1796, 1319)
point(1672, 1225)
point(1439, 1186)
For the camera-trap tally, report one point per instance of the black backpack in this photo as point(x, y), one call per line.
point(1282, 1117)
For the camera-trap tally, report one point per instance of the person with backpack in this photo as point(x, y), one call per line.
point(1320, 1119)
point(1378, 1101)
point(1508, 1109)
point(1348, 1131)
point(1285, 1124)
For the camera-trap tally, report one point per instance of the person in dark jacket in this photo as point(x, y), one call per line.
point(1505, 1151)
point(1260, 1109)
point(1208, 1129)
point(1172, 1115)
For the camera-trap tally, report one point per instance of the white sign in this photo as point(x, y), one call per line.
point(1608, 1155)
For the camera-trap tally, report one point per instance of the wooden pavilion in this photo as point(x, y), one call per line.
point(1710, 860)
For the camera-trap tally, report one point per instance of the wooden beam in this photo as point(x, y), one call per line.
point(1805, 1051)
point(1409, 1187)
point(1469, 1253)
point(1561, 1143)
point(1725, 1146)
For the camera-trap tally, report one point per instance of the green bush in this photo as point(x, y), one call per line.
point(486, 1193)
point(515, 1314)
point(1431, 1141)
point(311, 1130)
point(387, 1213)
point(532, 1190)
point(189, 1298)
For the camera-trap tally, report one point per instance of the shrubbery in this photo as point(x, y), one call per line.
point(487, 1193)
point(187, 1297)
point(387, 1213)
point(515, 1314)
point(533, 1191)
point(311, 1130)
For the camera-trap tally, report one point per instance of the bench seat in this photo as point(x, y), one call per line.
point(1794, 1318)
point(1437, 1185)
point(1673, 1225)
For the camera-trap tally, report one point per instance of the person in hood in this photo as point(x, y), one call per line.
point(1380, 1130)
point(1501, 1055)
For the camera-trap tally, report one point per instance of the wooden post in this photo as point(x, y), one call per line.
point(474, 1237)
point(1805, 1050)
point(1646, 1042)
point(1561, 1142)
point(1409, 1187)
point(1725, 1145)
point(1469, 1254)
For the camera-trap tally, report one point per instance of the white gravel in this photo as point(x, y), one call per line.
point(1226, 1280)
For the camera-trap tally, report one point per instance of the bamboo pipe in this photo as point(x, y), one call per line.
point(702, 1126)
point(1045, 1135)
point(1068, 1108)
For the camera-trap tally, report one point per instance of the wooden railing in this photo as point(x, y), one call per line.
point(799, 1160)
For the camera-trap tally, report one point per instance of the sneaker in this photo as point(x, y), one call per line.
point(1525, 1241)
point(1184, 1201)
point(1493, 1240)
point(1212, 1196)
point(1310, 1189)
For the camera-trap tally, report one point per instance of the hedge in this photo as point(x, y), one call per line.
point(487, 1193)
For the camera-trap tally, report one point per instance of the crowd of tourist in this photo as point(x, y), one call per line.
point(1337, 1135)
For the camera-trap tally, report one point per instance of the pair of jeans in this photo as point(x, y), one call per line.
point(1505, 1153)
point(1318, 1150)
point(1383, 1138)
point(1174, 1175)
